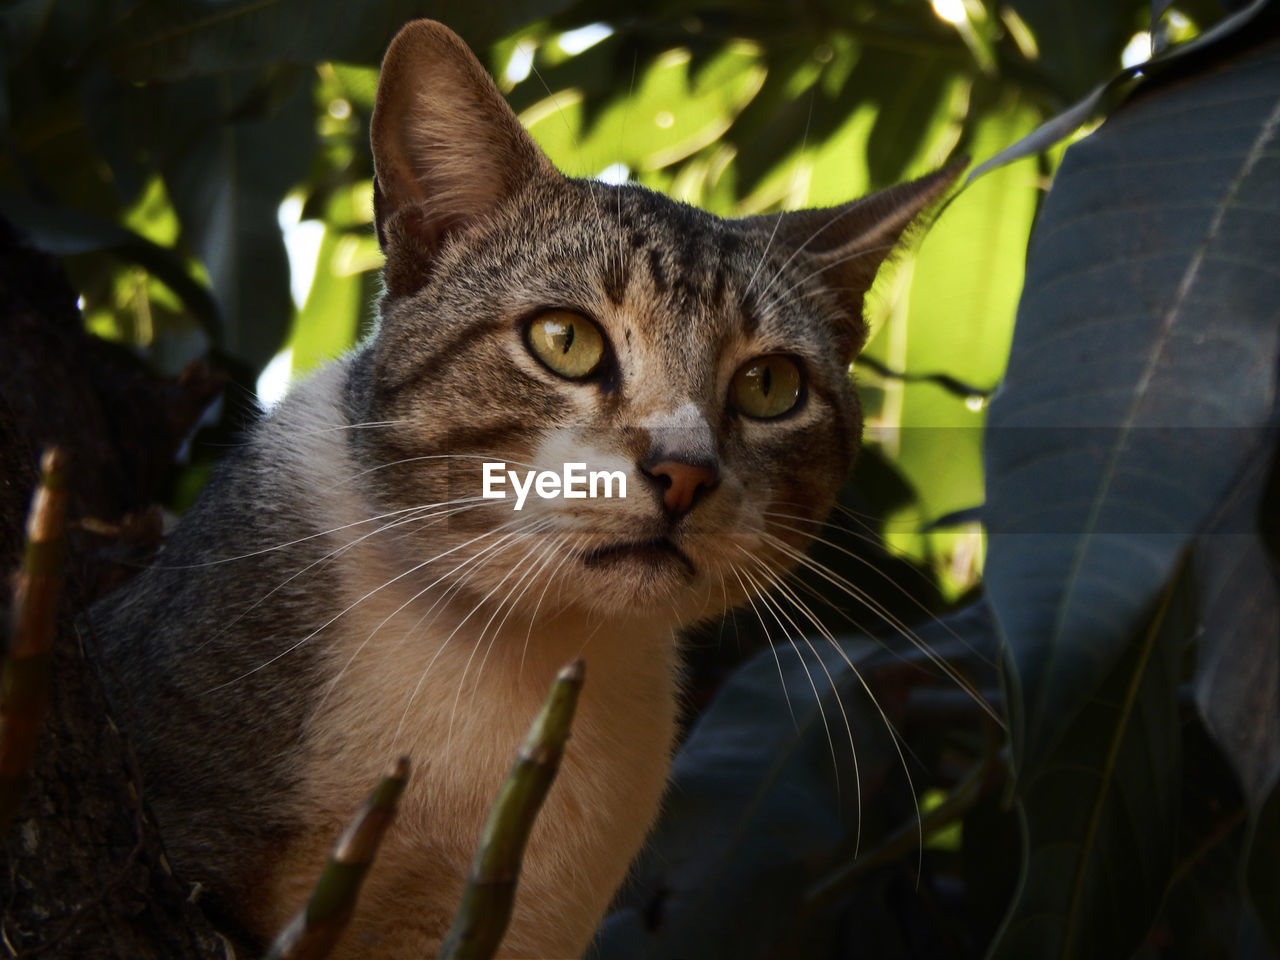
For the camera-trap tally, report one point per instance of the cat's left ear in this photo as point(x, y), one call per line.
point(447, 150)
point(846, 245)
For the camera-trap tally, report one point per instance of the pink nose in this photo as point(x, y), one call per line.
point(684, 480)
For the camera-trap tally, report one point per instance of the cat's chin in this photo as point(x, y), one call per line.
point(659, 555)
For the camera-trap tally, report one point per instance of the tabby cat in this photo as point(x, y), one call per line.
point(343, 592)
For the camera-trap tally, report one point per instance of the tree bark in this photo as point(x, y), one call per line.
point(85, 874)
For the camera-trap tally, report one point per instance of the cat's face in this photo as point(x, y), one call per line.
point(536, 321)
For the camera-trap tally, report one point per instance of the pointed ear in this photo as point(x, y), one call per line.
point(846, 245)
point(447, 150)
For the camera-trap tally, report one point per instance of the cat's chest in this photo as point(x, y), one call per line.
point(454, 684)
point(458, 700)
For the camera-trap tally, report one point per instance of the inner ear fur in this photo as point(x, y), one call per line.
point(447, 150)
point(846, 245)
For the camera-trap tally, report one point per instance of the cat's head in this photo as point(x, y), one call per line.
point(536, 321)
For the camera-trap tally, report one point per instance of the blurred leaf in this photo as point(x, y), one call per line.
point(959, 313)
point(1202, 913)
point(171, 39)
point(1113, 439)
point(1238, 675)
point(66, 232)
point(335, 313)
point(1262, 17)
point(1080, 43)
point(227, 180)
point(1262, 872)
point(911, 98)
point(668, 117)
point(1158, 8)
point(767, 799)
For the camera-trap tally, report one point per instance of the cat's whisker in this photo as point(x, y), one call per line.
point(875, 252)
point(339, 427)
point(487, 458)
point(870, 565)
point(800, 248)
point(865, 531)
point(894, 735)
point(349, 607)
point(453, 712)
point(290, 543)
point(528, 578)
point(863, 561)
point(413, 598)
point(458, 578)
point(412, 518)
point(426, 670)
point(592, 185)
point(738, 575)
point(950, 672)
point(776, 611)
point(853, 590)
point(533, 617)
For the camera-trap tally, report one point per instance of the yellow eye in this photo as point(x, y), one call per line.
point(767, 387)
point(571, 345)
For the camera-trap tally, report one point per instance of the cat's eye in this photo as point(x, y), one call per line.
point(767, 387)
point(570, 344)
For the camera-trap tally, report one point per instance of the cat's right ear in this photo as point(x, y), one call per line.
point(447, 150)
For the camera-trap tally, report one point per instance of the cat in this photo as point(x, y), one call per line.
point(343, 592)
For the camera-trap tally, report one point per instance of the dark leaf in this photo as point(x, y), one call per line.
point(1100, 812)
point(1079, 43)
point(65, 232)
point(1112, 440)
point(226, 180)
point(170, 39)
point(909, 106)
point(1238, 675)
point(1141, 380)
point(1261, 17)
point(765, 803)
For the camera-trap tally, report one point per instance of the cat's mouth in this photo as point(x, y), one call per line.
point(657, 552)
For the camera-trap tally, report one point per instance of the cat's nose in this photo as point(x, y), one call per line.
point(683, 482)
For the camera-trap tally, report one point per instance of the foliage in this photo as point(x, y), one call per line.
point(1129, 595)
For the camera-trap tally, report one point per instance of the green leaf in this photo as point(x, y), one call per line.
point(911, 94)
point(1144, 353)
point(958, 318)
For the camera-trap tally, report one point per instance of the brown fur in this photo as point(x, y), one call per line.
point(287, 647)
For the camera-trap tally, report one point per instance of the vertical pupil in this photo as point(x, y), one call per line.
point(568, 338)
point(766, 380)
